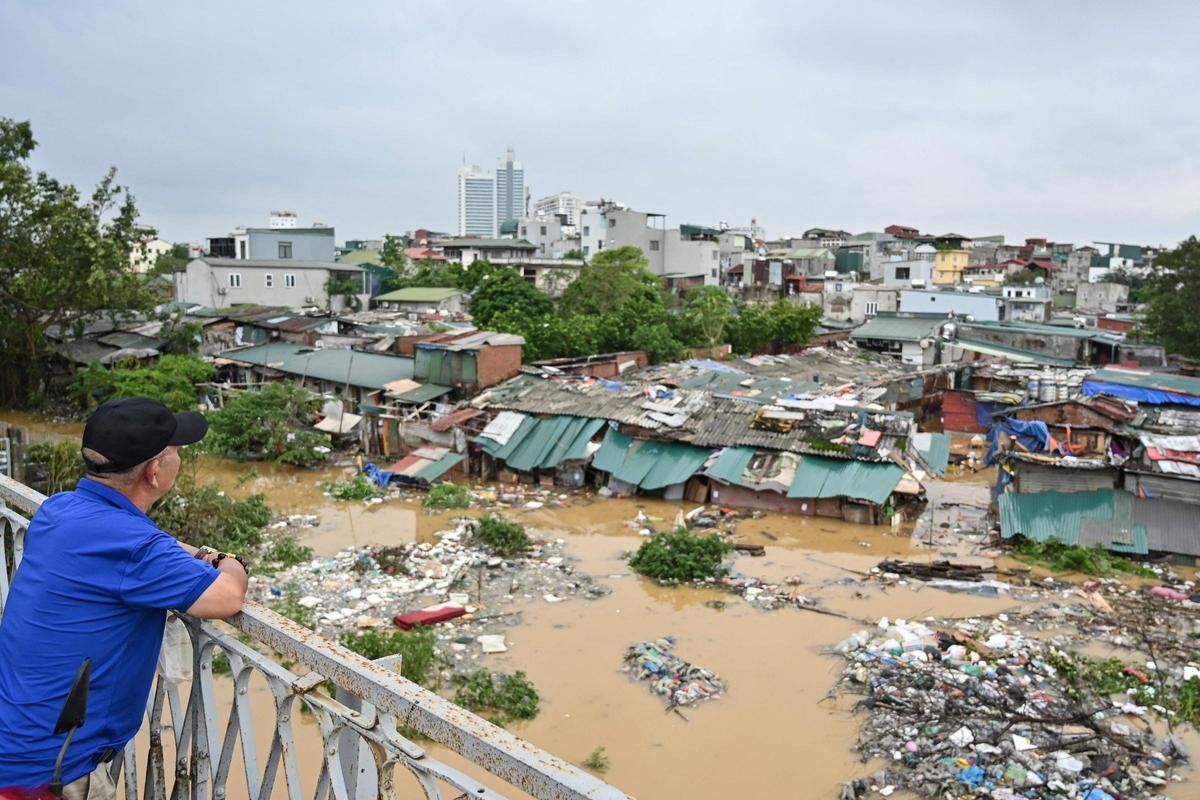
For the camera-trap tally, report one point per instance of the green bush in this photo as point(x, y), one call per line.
point(359, 488)
point(205, 515)
point(54, 466)
point(680, 556)
point(597, 761)
point(448, 495)
point(502, 536)
point(498, 696)
point(280, 552)
point(418, 659)
point(272, 424)
point(173, 379)
point(1061, 557)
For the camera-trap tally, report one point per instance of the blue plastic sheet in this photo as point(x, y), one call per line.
point(1034, 436)
point(1142, 395)
point(381, 477)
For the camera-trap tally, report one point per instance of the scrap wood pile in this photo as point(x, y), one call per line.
point(978, 707)
point(669, 676)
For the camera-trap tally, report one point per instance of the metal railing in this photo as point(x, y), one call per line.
point(363, 749)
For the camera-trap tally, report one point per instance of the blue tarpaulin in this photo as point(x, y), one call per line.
point(1139, 393)
point(1034, 436)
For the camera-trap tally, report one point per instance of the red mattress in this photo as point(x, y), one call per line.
point(407, 621)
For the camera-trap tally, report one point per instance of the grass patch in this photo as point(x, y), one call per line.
point(1061, 557)
point(500, 697)
point(418, 659)
point(448, 495)
point(282, 551)
point(597, 761)
point(358, 488)
point(681, 556)
point(502, 536)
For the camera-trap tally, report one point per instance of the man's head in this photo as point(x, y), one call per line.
point(132, 445)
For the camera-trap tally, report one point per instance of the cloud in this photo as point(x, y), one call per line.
point(1070, 120)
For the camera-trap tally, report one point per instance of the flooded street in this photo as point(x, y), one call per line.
point(774, 733)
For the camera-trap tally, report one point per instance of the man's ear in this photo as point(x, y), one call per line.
point(150, 475)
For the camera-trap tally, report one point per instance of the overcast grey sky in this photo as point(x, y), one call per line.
point(1071, 120)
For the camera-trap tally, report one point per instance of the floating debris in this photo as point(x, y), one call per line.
point(669, 675)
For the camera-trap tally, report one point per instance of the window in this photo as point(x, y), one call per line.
point(585, 247)
point(543, 231)
point(872, 308)
point(837, 287)
point(289, 280)
point(902, 273)
point(235, 280)
point(653, 245)
point(285, 249)
point(587, 231)
point(612, 223)
point(269, 280)
point(242, 249)
point(714, 255)
point(525, 231)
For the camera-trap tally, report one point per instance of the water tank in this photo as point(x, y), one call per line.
point(1033, 387)
point(1049, 388)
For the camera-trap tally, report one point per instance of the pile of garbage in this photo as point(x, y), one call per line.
point(964, 708)
point(364, 588)
point(682, 683)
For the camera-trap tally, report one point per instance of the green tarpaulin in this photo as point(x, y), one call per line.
point(818, 477)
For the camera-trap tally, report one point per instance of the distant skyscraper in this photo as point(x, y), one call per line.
point(476, 202)
point(564, 204)
point(510, 190)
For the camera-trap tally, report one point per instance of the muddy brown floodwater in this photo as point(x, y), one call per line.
point(775, 733)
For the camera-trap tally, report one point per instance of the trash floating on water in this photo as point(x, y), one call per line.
point(669, 675)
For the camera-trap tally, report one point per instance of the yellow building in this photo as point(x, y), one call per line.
point(948, 266)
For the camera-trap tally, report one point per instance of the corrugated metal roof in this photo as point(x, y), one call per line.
point(437, 469)
point(1011, 353)
point(731, 464)
point(937, 455)
point(442, 424)
point(898, 328)
point(424, 393)
point(818, 477)
point(419, 294)
point(650, 465)
point(355, 367)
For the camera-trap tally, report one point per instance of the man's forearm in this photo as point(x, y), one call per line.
point(232, 567)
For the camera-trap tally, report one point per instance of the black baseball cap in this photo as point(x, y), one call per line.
point(136, 429)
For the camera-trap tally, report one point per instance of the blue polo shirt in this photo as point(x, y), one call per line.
point(96, 581)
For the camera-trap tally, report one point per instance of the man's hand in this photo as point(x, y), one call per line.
point(225, 596)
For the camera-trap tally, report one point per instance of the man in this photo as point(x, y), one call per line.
point(96, 581)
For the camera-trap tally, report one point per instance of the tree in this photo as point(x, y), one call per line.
point(1025, 277)
point(705, 313)
point(272, 423)
point(173, 380)
point(750, 330)
point(392, 258)
point(792, 323)
point(63, 259)
point(612, 279)
point(505, 290)
point(1172, 292)
point(172, 261)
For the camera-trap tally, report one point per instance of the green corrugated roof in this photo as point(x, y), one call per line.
point(546, 443)
point(488, 244)
point(439, 468)
point(1162, 381)
point(650, 465)
point(900, 329)
point(1102, 516)
point(503, 451)
point(419, 294)
point(360, 257)
point(355, 367)
point(424, 393)
point(730, 465)
point(937, 457)
point(818, 477)
point(1011, 353)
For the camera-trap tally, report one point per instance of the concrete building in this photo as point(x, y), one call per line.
point(690, 251)
point(146, 252)
point(477, 202)
point(276, 244)
point(1030, 303)
point(221, 282)
point(949, 264)
point(914, 271)
point(977, 305)
point(1074, 271)
point(563, 204)
point(913, 338)
point(510, 190)
point(549, 235)
point(848, 301)
point(1110, 298)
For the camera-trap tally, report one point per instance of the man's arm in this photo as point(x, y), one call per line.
point(225, 596)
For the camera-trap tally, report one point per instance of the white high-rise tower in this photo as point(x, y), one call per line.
point(476, 202)
point(510, 190)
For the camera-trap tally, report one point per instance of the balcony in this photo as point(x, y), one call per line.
point(364, 754)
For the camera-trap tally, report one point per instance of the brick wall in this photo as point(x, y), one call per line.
point(497, 363)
